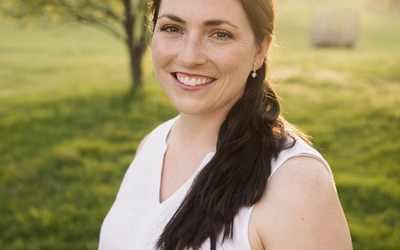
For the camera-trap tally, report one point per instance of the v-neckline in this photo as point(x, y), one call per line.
point(205, 160)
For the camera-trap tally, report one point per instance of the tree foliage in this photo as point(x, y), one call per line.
point(126, 20)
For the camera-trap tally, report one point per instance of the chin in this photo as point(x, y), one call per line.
point(190, 110)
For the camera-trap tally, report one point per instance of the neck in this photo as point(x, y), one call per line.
point(198, 132)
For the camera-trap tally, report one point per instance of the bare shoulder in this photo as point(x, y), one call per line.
point(300, 210)
point(141, 144)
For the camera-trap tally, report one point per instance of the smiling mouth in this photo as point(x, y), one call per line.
point(191, 80)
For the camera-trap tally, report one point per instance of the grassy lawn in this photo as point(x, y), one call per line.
point(69, 127)
point(68, 132)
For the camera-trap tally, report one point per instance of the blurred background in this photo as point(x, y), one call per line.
point(71, 117)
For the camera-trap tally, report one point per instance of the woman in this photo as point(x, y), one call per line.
point(229, 172)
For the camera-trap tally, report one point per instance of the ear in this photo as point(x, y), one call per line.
point(262, 50)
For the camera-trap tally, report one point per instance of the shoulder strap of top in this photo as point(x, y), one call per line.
point(158, 135)
point(300, 148)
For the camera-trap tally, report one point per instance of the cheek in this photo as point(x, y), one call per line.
point(162, 53)
point(235, 61)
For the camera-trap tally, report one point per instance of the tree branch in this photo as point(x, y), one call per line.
point(101, 25)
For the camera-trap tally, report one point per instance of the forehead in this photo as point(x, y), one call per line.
point(203, 10)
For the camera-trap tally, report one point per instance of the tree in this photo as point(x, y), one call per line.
point(124, 19)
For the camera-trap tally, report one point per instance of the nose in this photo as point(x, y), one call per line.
point(192, 52)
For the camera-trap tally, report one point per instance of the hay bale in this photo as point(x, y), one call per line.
point(335, 27)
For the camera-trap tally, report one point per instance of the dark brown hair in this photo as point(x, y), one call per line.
point(252, 135)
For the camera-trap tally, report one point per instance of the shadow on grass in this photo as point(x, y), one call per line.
point(64, 161)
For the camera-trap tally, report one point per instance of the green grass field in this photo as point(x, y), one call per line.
point(69, 127)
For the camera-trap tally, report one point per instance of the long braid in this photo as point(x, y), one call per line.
point(249, 138)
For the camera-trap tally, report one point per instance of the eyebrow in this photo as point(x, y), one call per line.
point(214, 22)
point(173, 18)
point(219, 22)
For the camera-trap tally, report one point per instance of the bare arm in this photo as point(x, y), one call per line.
point(300, 210)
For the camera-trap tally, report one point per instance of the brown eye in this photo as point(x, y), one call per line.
point(170, 29)
point(222, 35)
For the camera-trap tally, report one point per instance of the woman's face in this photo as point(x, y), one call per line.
point(203, 52)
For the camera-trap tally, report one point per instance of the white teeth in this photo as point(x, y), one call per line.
point(187, 81)
point(193, 81)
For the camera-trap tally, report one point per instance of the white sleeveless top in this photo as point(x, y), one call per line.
point(137, 218)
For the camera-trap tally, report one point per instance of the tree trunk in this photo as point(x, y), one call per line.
point(136, 48)
point(136, 52)
point(135, 55)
